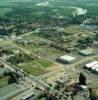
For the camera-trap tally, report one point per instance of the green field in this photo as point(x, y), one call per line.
point(33, 70)
point(37, 67)
point(30, 47)
point(72, 30)
point(4, 81)
point(44, 63)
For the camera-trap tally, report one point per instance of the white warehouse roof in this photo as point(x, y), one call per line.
point(87, 52)
point(90, 65)
point(94, 67)
point(67, 58)
point(97, 69)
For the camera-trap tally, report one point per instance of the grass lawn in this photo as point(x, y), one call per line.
point(37, 67)
point(33, 68)
point(29, 46)
point(29, 37)
point(4, 81)
point(72, 30)
point(45, 63)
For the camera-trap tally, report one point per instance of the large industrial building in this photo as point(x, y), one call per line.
point(93, 66)
point(87, 52)
point(66, 59)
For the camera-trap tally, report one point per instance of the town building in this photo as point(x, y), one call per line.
point(66, 59)
point(87, 52)
point(93, 66)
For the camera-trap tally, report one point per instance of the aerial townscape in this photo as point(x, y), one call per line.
point(48, 49)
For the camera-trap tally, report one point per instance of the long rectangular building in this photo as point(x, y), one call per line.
point(87, 52)
point(93, 66)
point(67, 59)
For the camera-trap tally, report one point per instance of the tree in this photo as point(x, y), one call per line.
point(82, 79)
point(90, 91)
point(89, 40)
point(2, 66)
point(13, 78)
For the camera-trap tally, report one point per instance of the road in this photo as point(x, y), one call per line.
point(13, 67)
point(74, 69)
point(25, 93)
point(28, 77)
point(72, 66)
point(31, 78)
